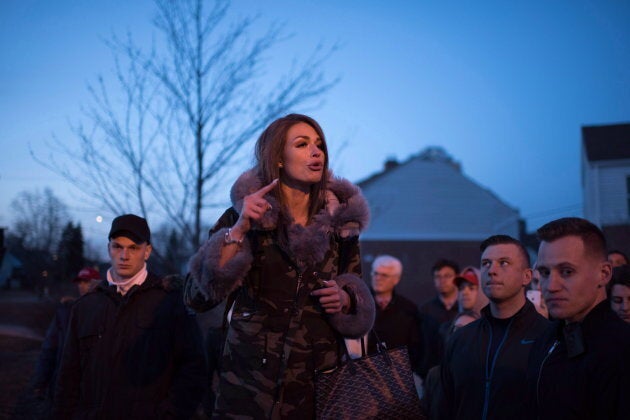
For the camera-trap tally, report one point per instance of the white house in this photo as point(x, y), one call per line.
point(606, 173)
point(606, 180)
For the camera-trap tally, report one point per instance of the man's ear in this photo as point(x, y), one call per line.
point(147, 252)
point(527, 276)
point(605, 273)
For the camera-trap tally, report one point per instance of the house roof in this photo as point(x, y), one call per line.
point(606, 142)
point(428, 197)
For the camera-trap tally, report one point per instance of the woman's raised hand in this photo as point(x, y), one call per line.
point(254, 207)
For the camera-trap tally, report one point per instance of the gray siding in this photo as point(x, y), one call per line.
point(605, 192)
point(432, 200)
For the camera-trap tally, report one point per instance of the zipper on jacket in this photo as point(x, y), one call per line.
point(298, 286)
point(490, 367)
point(264, 358)
point(551, 349)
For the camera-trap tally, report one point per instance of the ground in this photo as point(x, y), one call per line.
point(23, 322)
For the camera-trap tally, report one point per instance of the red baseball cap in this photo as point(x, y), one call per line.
point(468, 276)
point(86, 274)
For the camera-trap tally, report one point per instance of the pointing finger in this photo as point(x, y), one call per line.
point(264, 190)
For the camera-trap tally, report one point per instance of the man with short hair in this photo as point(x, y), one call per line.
point(132, 349)
point(579, 369)
point(397, 321)
point(439, 311)
point(484, 368)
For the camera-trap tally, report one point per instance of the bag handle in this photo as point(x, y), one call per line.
point(380, 348)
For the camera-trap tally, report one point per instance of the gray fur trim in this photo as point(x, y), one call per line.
point(353, 208)
point(214, 283)
point(361, 320)
point(308, 244)
point(351, 217)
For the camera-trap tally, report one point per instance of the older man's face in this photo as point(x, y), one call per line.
point(384, 278)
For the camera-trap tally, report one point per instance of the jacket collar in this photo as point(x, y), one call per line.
point(573, 333)
point(528, 310)
point(152, 281)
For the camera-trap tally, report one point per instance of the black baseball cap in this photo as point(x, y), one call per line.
point(131, 226)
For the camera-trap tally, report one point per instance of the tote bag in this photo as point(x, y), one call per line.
point(375, 386)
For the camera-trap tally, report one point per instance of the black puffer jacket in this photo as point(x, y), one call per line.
point(475, 387)
point(134, 356)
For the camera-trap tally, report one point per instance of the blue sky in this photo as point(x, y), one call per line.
point(504, 87)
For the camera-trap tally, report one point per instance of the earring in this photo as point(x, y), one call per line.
point(280, 165)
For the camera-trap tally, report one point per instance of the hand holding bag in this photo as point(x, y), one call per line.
point(376, 386)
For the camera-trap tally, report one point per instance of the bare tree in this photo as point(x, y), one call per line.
point(188, 107)
point(39, 220)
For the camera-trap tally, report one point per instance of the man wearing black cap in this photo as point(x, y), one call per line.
point(132, 349)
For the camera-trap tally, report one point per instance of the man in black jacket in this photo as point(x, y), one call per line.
point(484, 369)
point(438, 313)
point(132, 350)
point(397, 322)
point(580, 368)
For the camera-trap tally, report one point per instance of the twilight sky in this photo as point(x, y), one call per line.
point(502, 86)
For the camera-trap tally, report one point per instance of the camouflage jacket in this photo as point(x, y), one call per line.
point(278, 335)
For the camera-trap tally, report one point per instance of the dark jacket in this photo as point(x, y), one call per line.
point(475, 387)
point(587, 374)
point(52, 347)
point(433, 317)
point(134, 356)
point(398, 324)
point(278, 335)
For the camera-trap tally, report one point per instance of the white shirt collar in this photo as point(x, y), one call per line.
point(123, 287)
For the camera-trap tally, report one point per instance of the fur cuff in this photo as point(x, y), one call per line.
point(361, 319)
point(215, 283)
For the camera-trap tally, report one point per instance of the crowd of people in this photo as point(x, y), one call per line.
point(506, 339)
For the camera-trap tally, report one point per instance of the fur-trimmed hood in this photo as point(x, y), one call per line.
point(353, 206)
point(308, 244)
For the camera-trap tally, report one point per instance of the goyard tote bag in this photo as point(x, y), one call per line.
point(379, 386)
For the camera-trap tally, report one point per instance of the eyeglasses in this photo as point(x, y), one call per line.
point(379, 274)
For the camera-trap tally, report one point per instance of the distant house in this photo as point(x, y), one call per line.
point(425, 209)
point(606, 181)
